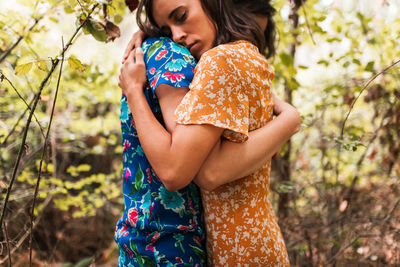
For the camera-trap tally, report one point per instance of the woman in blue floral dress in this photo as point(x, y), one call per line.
point(158, 227)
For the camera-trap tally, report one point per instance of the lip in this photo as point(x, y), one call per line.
point(192, 47)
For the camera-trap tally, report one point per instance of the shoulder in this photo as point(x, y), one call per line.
point(228, 53)
point(158, 41)
point(156, 44)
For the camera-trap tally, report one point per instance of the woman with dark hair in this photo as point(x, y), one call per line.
point(250, 234)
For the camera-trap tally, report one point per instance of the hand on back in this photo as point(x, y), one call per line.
point(132, 75)
point(135, 42)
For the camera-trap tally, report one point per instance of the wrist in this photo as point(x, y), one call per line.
point(134, 90)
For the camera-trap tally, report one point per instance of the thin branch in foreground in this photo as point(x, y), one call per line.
point(339, 148)
point(8, 244)
point(15, 126)
point(308, 25)
point(43, 83)
point(362, 90)
point(8, 51)
point(380, 222)
point(26, 234)
point(43, 155)
point(2, 76)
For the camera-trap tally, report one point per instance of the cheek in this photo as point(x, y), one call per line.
point(210, 33)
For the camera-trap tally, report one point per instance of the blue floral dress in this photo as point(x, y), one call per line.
point(158, 227)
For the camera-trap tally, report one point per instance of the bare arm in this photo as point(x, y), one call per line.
point(229, 161)
point(175, 157)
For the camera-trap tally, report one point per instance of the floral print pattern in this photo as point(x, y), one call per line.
point(231, 89)
point(158, 227)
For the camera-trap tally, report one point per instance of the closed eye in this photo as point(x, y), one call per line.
point(181, 17)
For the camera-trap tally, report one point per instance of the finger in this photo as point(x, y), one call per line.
point(131, 56)
point(139, 41)
point(139, 56)
point(129, 48)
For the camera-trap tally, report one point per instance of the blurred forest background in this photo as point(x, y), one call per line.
point(335, 186)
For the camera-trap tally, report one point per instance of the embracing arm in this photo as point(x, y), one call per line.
point(229, 161)
point(175, 157)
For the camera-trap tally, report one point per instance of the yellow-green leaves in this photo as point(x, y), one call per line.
point(26, 67)
point(41, 64)
point(76, 64)
point(101, 31)
point(23, 68)
point(96, 29)
point(74, 171)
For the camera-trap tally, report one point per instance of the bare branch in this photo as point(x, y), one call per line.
point(308, 25)
point(362, 90)
point(15, 126)
point(26, 234)
point(2, 76)
point(8, 244)
point(8, 51)
point(43, 154)
point(53, 67)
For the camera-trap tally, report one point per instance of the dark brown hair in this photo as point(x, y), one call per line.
point(233, 21)
point(262, 8)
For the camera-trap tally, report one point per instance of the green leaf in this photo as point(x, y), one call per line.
point(23, 68)
point(323, 62)
point(370, 66)
point(287, 59)
point(153, 49)
point(118, 19)
point(96, 29)
point(41, 64)
point(139, 178)
point(148, 262)
point(54, 19)
point(199, 252)
point(134, 189)
point(84, 168)
point(76, 64)
point(135, 250)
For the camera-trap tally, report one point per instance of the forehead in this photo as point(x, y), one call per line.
point(162, 9)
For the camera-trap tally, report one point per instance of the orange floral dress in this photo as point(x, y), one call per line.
point(231, 89)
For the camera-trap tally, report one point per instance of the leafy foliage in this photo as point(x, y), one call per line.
point(344, 171)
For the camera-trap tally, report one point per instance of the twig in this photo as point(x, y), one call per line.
point(339, 149)
point(3, 77)
point(8, 51)
point(381, 222)
point(359, 163)
point(362, 90)
point(15, 126)
point(53, 67)
point(26, 234)
point(8, 244)
point(308, 25)
point(43, 154)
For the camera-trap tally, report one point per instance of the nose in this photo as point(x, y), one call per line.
point(178, 35)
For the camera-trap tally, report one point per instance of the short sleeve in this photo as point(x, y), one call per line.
point(217, 96)
point(167, 63)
